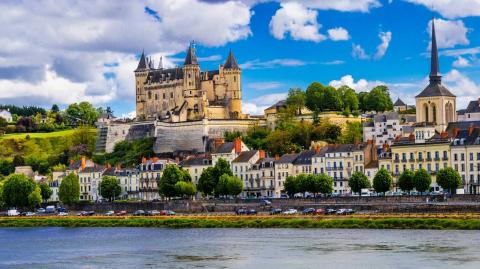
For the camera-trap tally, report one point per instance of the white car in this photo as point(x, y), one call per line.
point(13, 213)
point(290, 212)
point(63, 214)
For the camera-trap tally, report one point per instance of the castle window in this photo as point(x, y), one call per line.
point(156, 96)
point(163, 95)
point(171, 95)
point(189, 75)
point(234, 78)
point(195, 108)
point(149, 95)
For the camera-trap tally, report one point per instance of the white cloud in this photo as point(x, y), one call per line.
point(334, 62)
point(337, 34)
point(269, 85)
point(129, 115)
point(459, 52)
point(341, 5)
point(77, 39)
point(385, 37)
point(297, 21)
point(359, 86)
point(462, 86)
point(451, 8)
point(257, 105)
point(257, 64)
point(461, 62)
point(359, 53)
point(449, 33)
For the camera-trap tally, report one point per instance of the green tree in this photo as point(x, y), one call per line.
point(290, 186)
point(82, 113)
point(6, 167)
point(206, 182)
point(349, 97)
point(449, 179)
point(378, 99)
point(406, 181)
point(332, 100)
point(55, 108)
point(422, 180)
point(69, 190)
point(109, 187)
point(221, 168)
point(234, 186)
point(382, 182)
point(16, 190)
point(35, 197)
point(184, 188)
point(314, 97)
point(323, 184)
point(358, 181)
point(296, 99)
point(305, 183)
point(222, 186)
point(45, 190)
point(171, 175)
point(353, 133)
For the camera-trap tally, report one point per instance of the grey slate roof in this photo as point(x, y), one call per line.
point(461, 125)
point(287, 158)
point(225, 147)
point(304, 157)
point(435, 89)
point(461, 111)
point(383, 117)
point(473, 107)
point(231, 63)
point(191, 57)
point(196, 161)
point(159, 75)
point(245, 156)
point(399, 102)
point(97, 168)
point(142, 64)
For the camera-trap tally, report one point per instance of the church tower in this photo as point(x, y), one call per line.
point(435, 104)
point(140, 77)
point(232, 74)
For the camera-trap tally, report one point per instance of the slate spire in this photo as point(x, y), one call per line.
point(142, 64)
point(434, 66)
point(231, 63)
point(191, 57)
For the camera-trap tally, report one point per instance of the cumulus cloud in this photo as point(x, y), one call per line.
point(90, 46)
point(451, 8)
point(342, 5)
point(385, 37)
point(257, 105)
point(359, 53)
point(297, 21)
point(462, 86)
point(338, 34)
point(359, 86)
point(449, 33)
point(461, 62)
point(258, 64)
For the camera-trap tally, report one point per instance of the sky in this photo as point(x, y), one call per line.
point(61, 52)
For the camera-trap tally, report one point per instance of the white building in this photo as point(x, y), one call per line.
point(229, 151)
point(195, 167)
point(383, 129)
point(6, 115)
point(471, 113)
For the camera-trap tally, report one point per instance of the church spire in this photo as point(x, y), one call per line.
point(434, 67)
point(231, 63)
point(142, 64)
point(191, 57)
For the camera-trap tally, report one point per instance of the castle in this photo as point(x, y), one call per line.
point(186, 93)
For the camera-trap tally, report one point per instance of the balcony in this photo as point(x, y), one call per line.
point(404, 160)
point(420, 159)
point(335, 168)
point(436, 159)
point(396, 160)
point(429, 159)
point(445, 158)
point(411, 160)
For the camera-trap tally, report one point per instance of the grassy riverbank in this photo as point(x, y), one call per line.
point(247, 222)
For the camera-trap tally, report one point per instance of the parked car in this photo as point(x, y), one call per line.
point(266, 202)
point(62, 214)
point(50, 209)
point(308, 211)
point(139, 213)
point(41, 210)
point(251, 211)
point(121, 213)
point(319, 211)
point(109, 213)
point(330, 211)
point(13, 213)
point(283, 196)
point(349, 211)
point(290, 211)
point(153, 213)
point(240, 211)
point(341, 211)
point(61, 209)
point(275, 211)
point(86, 213)
point(171, 213)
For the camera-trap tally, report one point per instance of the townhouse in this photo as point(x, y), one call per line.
point(149, 173)
point(229, 151)
point(195, 166)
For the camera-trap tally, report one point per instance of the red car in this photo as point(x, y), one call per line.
point(319, 211)
point(121, 213)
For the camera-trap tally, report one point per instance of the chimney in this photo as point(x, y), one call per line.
point(238, 145)
point(119, 167)
point(84, 162)
point(154, 159)
point(317, 149)
point(262, 154)
point(277, 157)
point(444, 135)
point(411, 137)
point(455, 132)
point(108, 165)
point(470, 130)
point(144, 160)
point(72, 161)
point(177, 159)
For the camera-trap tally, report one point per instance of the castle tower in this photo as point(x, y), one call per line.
point(435, 104)
point(191, 71)
point(140, 77)
point(232, 74)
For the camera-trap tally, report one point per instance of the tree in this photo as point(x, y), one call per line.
point(290, 186)
point(221, 167)
point(449, 179)
point(382, 182)
point(45, 191)
point(357, 182)
point(109, 187)
point(296, 99)
point(171, 175)
point(323, 184)
point(305, 183)
point(16, 190)
point(422, 180)
point(69, 191)
point(35, 197)
point(234, 186)
point(83, 113)
point(222, 186)
point(314, 97)
point(353, 133)
point(349, 97)
point(378, 99)
point(332, 100)
point(6, 167)
point(206, 182)
point(406, 181)
point(185, 188)
point(55, 108)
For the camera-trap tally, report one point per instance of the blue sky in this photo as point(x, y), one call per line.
point(76, 51)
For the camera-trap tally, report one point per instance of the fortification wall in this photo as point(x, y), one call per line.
point(117, 132)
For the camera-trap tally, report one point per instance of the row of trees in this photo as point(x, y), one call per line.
point(21, 191)
point(219, 181)
point(303, 183)
point(319, 98)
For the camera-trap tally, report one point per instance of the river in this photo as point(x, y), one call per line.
point(236, 248)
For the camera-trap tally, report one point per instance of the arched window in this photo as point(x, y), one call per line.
point(149, 95)
point(425, 109)
point(434, 113)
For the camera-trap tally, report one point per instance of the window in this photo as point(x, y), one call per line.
point(171, 95)
point(429, 167)
point(455, 157)
point(149, 95)
point(420, 158)
point(411, 156)
point(462, 157)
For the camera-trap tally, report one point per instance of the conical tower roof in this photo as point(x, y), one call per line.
point(191, 57)
point(231, 63)
point(142, 64)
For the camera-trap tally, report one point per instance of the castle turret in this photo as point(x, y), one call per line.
point(140, 77)
point(232, 73)
point(191, 70)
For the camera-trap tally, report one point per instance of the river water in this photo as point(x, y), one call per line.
point(236, 248)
